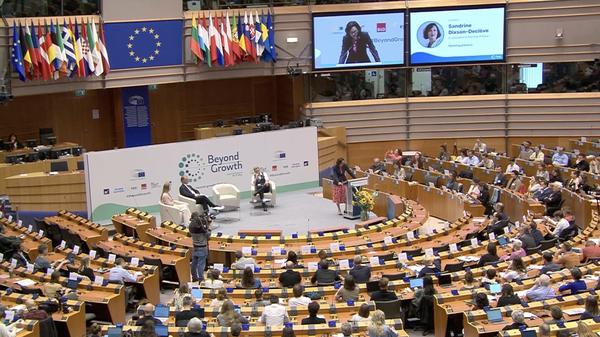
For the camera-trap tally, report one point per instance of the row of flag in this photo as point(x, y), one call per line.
point(224, 42)
point(53, 51)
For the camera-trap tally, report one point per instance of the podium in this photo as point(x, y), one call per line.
point(352, 211)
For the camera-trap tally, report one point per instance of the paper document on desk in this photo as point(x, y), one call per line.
point(138, 273)
point(25, 282)
point(534, 267)
point(529, 315)
point(574, 311)
point(521, 293)
point(416, 268)
point(468, 258)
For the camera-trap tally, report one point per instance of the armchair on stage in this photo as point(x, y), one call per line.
point(226, 195)
point(192, 205)
point(172, 213)
point(269, 195)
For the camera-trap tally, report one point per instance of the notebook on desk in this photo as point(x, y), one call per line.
point(115, 332)
point(494, 315)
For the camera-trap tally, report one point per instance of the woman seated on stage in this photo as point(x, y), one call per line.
point(168, 200)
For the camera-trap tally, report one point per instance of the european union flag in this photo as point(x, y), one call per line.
point(144, 44)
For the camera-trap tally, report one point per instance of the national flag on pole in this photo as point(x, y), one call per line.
point(248, 39)
point(50, 50)
point(33, 53)
point(81, 67)
point(241, 36)
point(227, 57)
point(63, 52)
point(69, 50)
point(46, 62)
point(27, 65)
point(95, 48)
point(271, 38)
point(103, 51)
point(252, 36)
point(216, 50)
point(16, 55)
point(234, 42)
point(76, 50)
point(86, 52)
point(266, 55)
point(194, 44)
point(54, 50)
point(204, 40)
point(42, 56)
point(260, 46)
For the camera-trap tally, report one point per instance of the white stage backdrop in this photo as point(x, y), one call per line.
point(133, 177)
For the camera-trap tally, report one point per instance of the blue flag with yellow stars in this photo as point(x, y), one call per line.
point(144, 43)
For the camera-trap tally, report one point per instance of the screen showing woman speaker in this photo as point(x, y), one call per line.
point(456, 35)
point(359, 40)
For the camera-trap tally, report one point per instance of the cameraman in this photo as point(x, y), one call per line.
point(200, 231)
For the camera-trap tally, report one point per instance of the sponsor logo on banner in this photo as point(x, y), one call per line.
point(274, 168)
point(106, 191)
point(138, 174)
point(144, 186)
point(118, 190)
point(280, 155)
point(154, 185)
point(381, 27)
point(306, 163)
point(196, 167)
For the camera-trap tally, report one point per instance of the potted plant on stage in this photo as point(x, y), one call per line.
point(364, 200)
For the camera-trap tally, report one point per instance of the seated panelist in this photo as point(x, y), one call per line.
point(260, 181)
point(190, 192)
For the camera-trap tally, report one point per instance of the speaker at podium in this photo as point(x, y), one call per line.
point(352, 211)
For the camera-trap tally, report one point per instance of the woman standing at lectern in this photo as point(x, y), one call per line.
point(339, 182)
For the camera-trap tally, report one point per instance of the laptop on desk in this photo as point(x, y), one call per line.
point(528, 333)
point(495, 288)
point(162, 313)
point(445, 280)
point(115, 332)
point(416, 283)
point(494, 316)
point(161, 330)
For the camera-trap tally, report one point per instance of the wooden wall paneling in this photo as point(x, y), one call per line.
point(167, 104)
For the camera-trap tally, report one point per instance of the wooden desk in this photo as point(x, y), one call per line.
point(30, 241)
point(41, 191)
point(131, 225)
point(571, 326)
point(585, 147)
point(178, 259)
point(210, 132)
point(89, 232)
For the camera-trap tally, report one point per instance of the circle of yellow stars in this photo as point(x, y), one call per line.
point(154, 54)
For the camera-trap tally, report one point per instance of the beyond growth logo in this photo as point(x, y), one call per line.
point(195, 166)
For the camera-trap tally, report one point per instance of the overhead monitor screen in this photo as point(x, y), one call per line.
point(358, 40)
point(457, 35)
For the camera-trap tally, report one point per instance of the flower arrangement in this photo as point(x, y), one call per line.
point(364, 200)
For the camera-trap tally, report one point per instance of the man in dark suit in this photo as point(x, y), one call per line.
point(290, 277)
point(383, 294)
point(499, 179)
point(553, 200)
point(188, 191)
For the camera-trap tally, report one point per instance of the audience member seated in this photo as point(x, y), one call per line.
point(481, 301)
point(378, 167)
point(581, 164)
point(499, 220)
point(507, 296)
point(542, 290)
point(584, 330)
point(242, 261)
point(516, 270)
point(544, 330)
point(194, 329)
point(217, 302)
point(575, 182)
point(516, 251)
point(324, 275)
point(574, 286)
point(423, 302)
point(229, 316)
point(429, 267)
point(570, 232)
point(416, 161)
point(148, 310)
point(345, 330)
point(259, 300)
point(235, 330)
point(542, 192)
point(480, 146)
point(186, 313)
point(472, 159)
point(362, 315)
point(590, 251)
point(542, 172)
point(553, 200)
point(444, 155)
point(383, 294)
point(591, 307)
point(499, 178)
point(399, 171)
point(53, 289)
point(83, 269)
point(469, 281)
point(556, 314)
point(274, 314)
point(41, 261)
point(594, 164)
point(20, 257)
point(299, 298)
point(518, 321)
point(534, 186)
point(432, 179)
point(213, 280)
point(487, 162)
point(394, 155)
point(514, 182)
point(512, 166)
point(489, 277)
point(555, 176)
point(179, 294)
point(33, 311)
point(248, 280)
point(148, 329)
point(348, 291)
point(360, 271)
point(452, 184)
point(313, 310)
point(525, 150)
point(559, 158)
point(566, 257)
point(525, 237)
point(377, 326)
point(537, 155)
point(549, 265)
point(119, 274)
point(289, 277)
point(474, 191)
point(490, 256)
point(293, 257)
